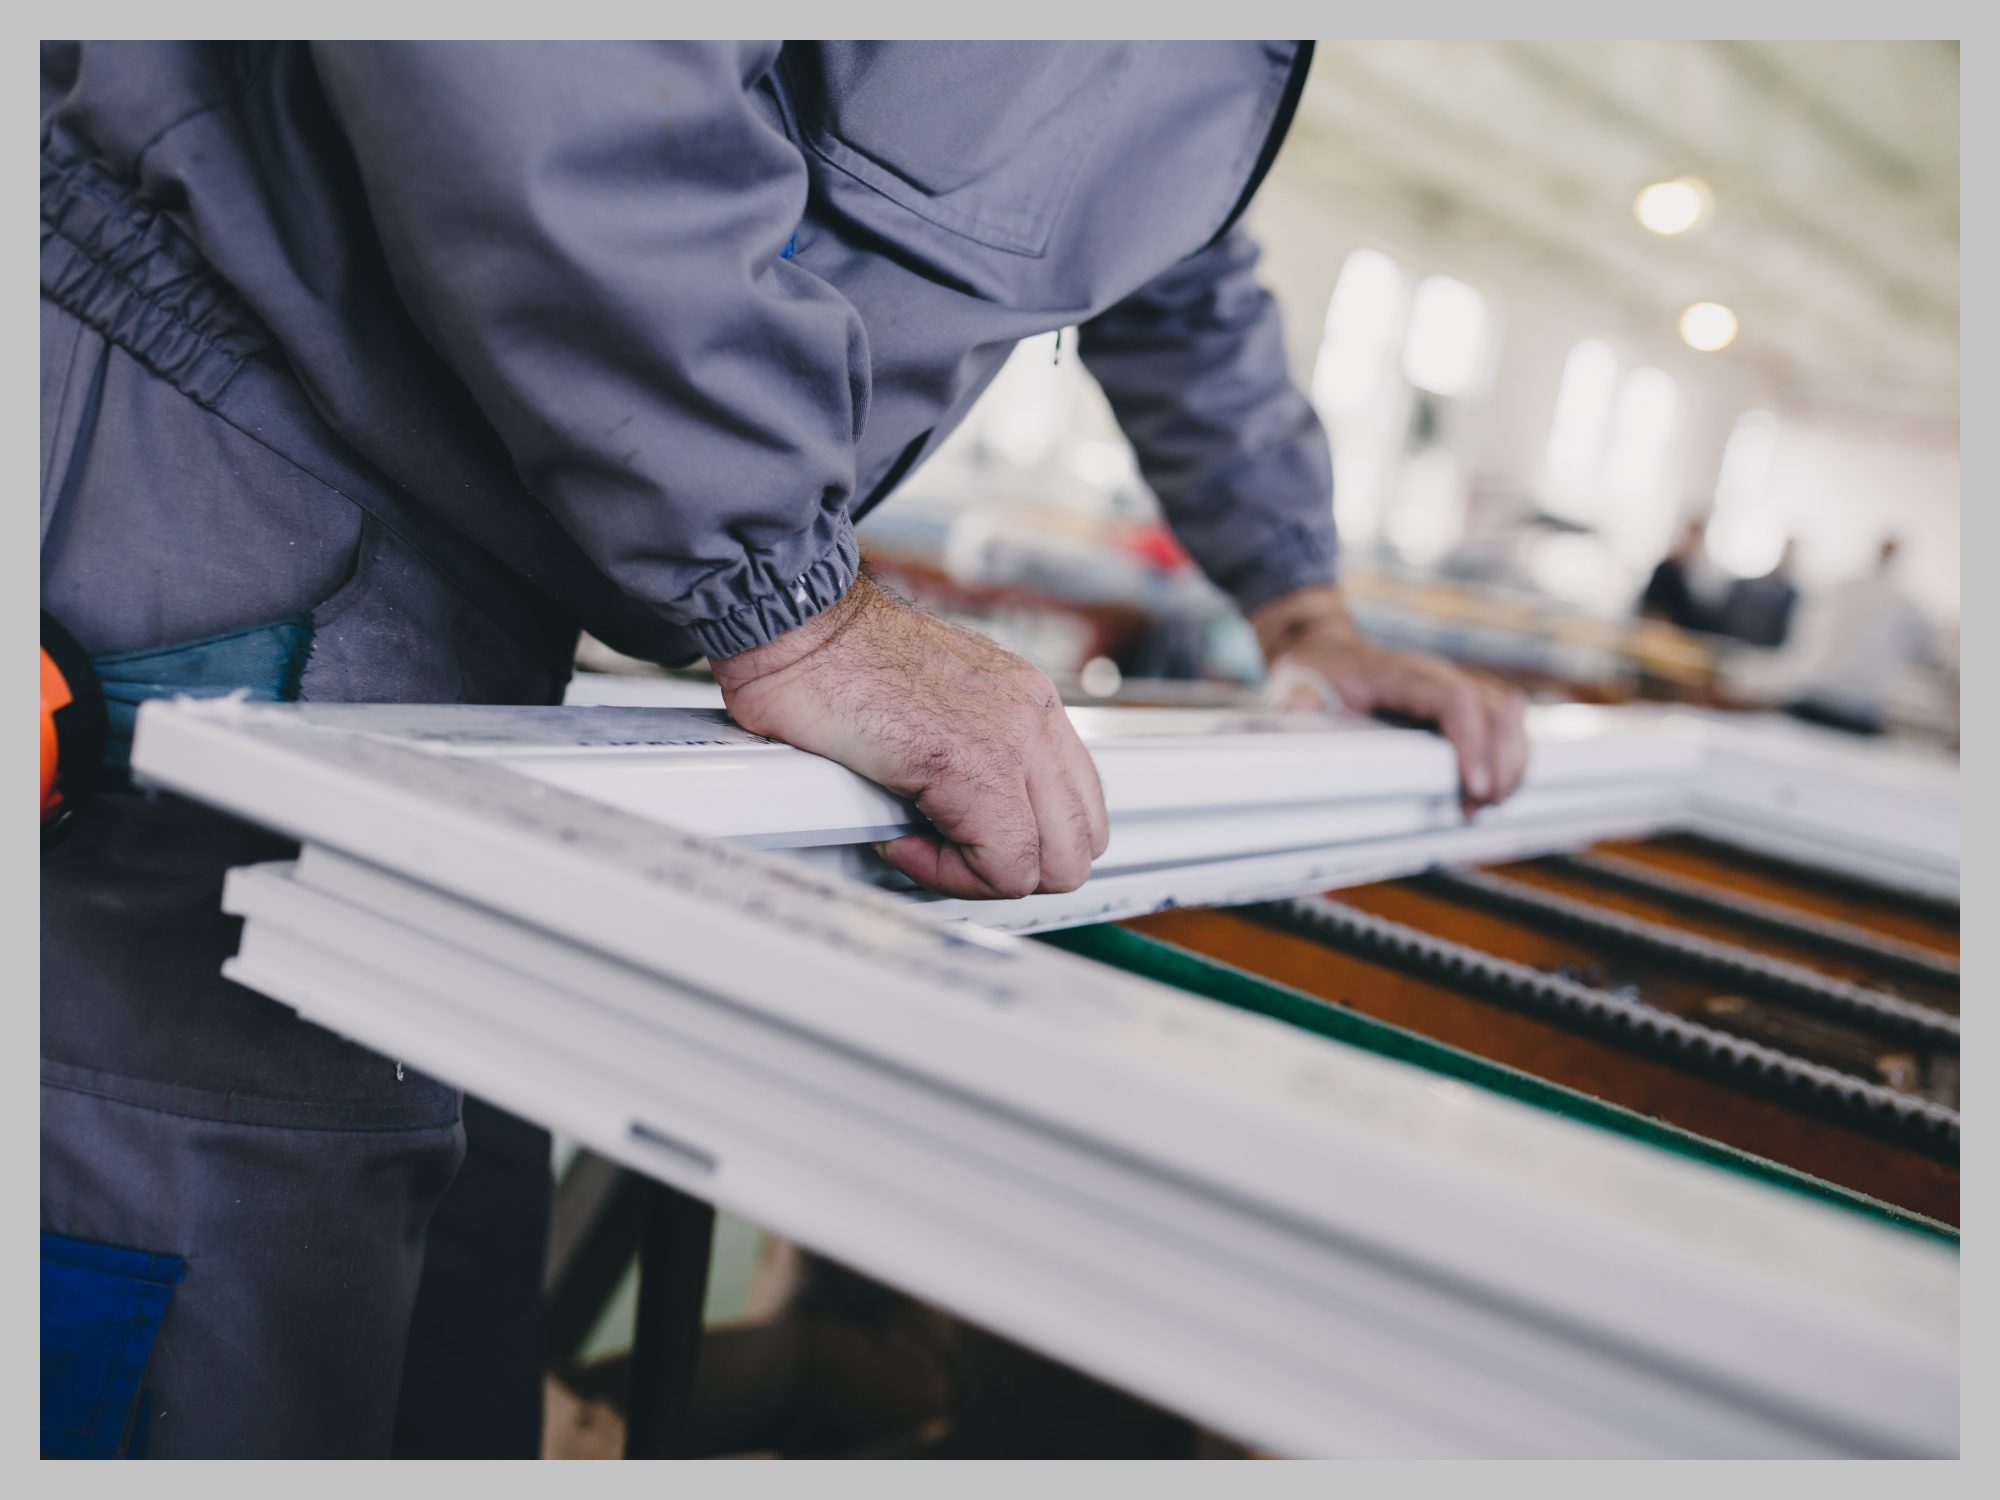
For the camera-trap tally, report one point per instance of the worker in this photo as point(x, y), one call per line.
point(1672, 592)
point(386, 367)
point(1855, 644)
point(1758, 610)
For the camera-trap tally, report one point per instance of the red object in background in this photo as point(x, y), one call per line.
point(1156, 545)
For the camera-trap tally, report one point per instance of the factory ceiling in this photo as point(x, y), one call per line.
point(1833, 168)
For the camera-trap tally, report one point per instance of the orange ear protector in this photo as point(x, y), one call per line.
point(73, 723)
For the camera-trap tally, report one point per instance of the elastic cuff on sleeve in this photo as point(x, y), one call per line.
point(785, 596)
point(1294, 558)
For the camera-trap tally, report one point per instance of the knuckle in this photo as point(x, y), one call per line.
point(1066, 869)
point(1039, 698)
point(935, 760)
point(1017, 881)
point(1071, 869)
point(1019, 871)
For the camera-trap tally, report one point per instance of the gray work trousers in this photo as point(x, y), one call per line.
point(362, 1256)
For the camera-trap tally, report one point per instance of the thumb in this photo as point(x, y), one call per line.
point(1292, 685)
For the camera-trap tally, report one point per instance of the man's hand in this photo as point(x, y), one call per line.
point(1308, 635)
point(972, 734)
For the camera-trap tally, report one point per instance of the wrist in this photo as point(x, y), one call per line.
point(735, 672)
point(1317, 613)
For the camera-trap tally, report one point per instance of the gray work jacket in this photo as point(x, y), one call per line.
point(649, 326)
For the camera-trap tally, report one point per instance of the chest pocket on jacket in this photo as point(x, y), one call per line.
point(982, 139)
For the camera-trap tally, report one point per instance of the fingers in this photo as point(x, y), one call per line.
point(1484, 720)
point(1086, 787)
point(1507, 717)
point(1294, 687)
point(1463, 720)
point(939, 865)
point(1062, 826)
point(988, 842)
point(1010, 820)
point(1497, 747)
point(1487, 725)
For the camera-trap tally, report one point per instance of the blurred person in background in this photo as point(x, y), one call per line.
point(1759, 610)
point(1671, 593)
point(1855, 643)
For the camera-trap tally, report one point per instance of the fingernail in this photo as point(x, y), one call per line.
point(1479, 783)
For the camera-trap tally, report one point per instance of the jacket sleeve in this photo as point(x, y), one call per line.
point(1194, 367)
point(591, 234)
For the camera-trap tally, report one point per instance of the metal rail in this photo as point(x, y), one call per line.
point(1909, 959)
point(1627, 1021)
point(1872, 1010)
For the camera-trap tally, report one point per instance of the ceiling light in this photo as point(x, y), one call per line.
point(1708, 326)
point(1673, 207)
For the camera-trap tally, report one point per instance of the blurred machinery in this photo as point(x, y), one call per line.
point(1112, 609)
